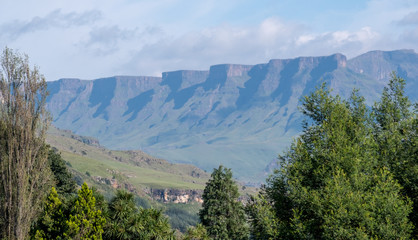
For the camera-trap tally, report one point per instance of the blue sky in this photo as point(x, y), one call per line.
point(100, 38)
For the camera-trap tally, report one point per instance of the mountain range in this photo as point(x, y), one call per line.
point(241, 116)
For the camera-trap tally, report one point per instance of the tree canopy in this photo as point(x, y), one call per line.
point(351, 173)
point(79, 219)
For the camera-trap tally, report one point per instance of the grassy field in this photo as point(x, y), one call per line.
point(133, 167)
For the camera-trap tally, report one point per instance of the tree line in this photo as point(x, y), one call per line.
point(351, 174)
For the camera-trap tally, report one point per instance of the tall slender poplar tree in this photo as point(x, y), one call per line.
point(24, 169)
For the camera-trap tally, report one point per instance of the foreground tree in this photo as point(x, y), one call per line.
point(85, 221)
point(24, 171)
point(155, 225)
point(52, 222)
point(122, 222)
point(263, 222)
point(196, 233)
point(332, 184)
point(395, 131)
point(80, 219)
point(222, 214)
point(126, 221)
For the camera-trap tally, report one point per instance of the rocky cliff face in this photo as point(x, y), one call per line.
point(379, 65)
point(177, 196)
point(241, 116)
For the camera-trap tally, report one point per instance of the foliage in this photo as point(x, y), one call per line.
point(333, 183)
point(24, 172)
point(81, 218)
point(222, 214)
point(122, 213)
point(101, 203)
point(395, 131)
point(76, 219)
point(65, 185)
point(264, 224)
point(196, 233)
point(155, 225)
point(51, 224)
point(85, 222)
point(126, 221)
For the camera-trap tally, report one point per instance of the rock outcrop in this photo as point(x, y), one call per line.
point(177, 196)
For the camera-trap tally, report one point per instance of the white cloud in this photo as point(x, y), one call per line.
point(272, 38)
point(55, 19)
point(90, 39)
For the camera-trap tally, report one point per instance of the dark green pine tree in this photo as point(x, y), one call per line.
point(222, 214)
point(65, 185)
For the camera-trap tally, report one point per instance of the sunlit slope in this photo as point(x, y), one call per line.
point(133, 167)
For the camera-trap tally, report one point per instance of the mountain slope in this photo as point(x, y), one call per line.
point(135, 170)
point(241, 116)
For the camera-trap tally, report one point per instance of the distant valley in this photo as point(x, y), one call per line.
point(241, 116)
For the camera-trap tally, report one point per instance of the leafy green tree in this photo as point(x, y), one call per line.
point(222, 214)
point(25, 177)
point(85, 222)
point(65, 185)
point(395, 131)
point(369, 208)
point(196, 233)
point(263, 222)
point(331, 184)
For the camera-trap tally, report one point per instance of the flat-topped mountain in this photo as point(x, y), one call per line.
point(241, 116)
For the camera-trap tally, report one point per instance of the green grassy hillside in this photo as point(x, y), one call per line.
point(134, 169)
